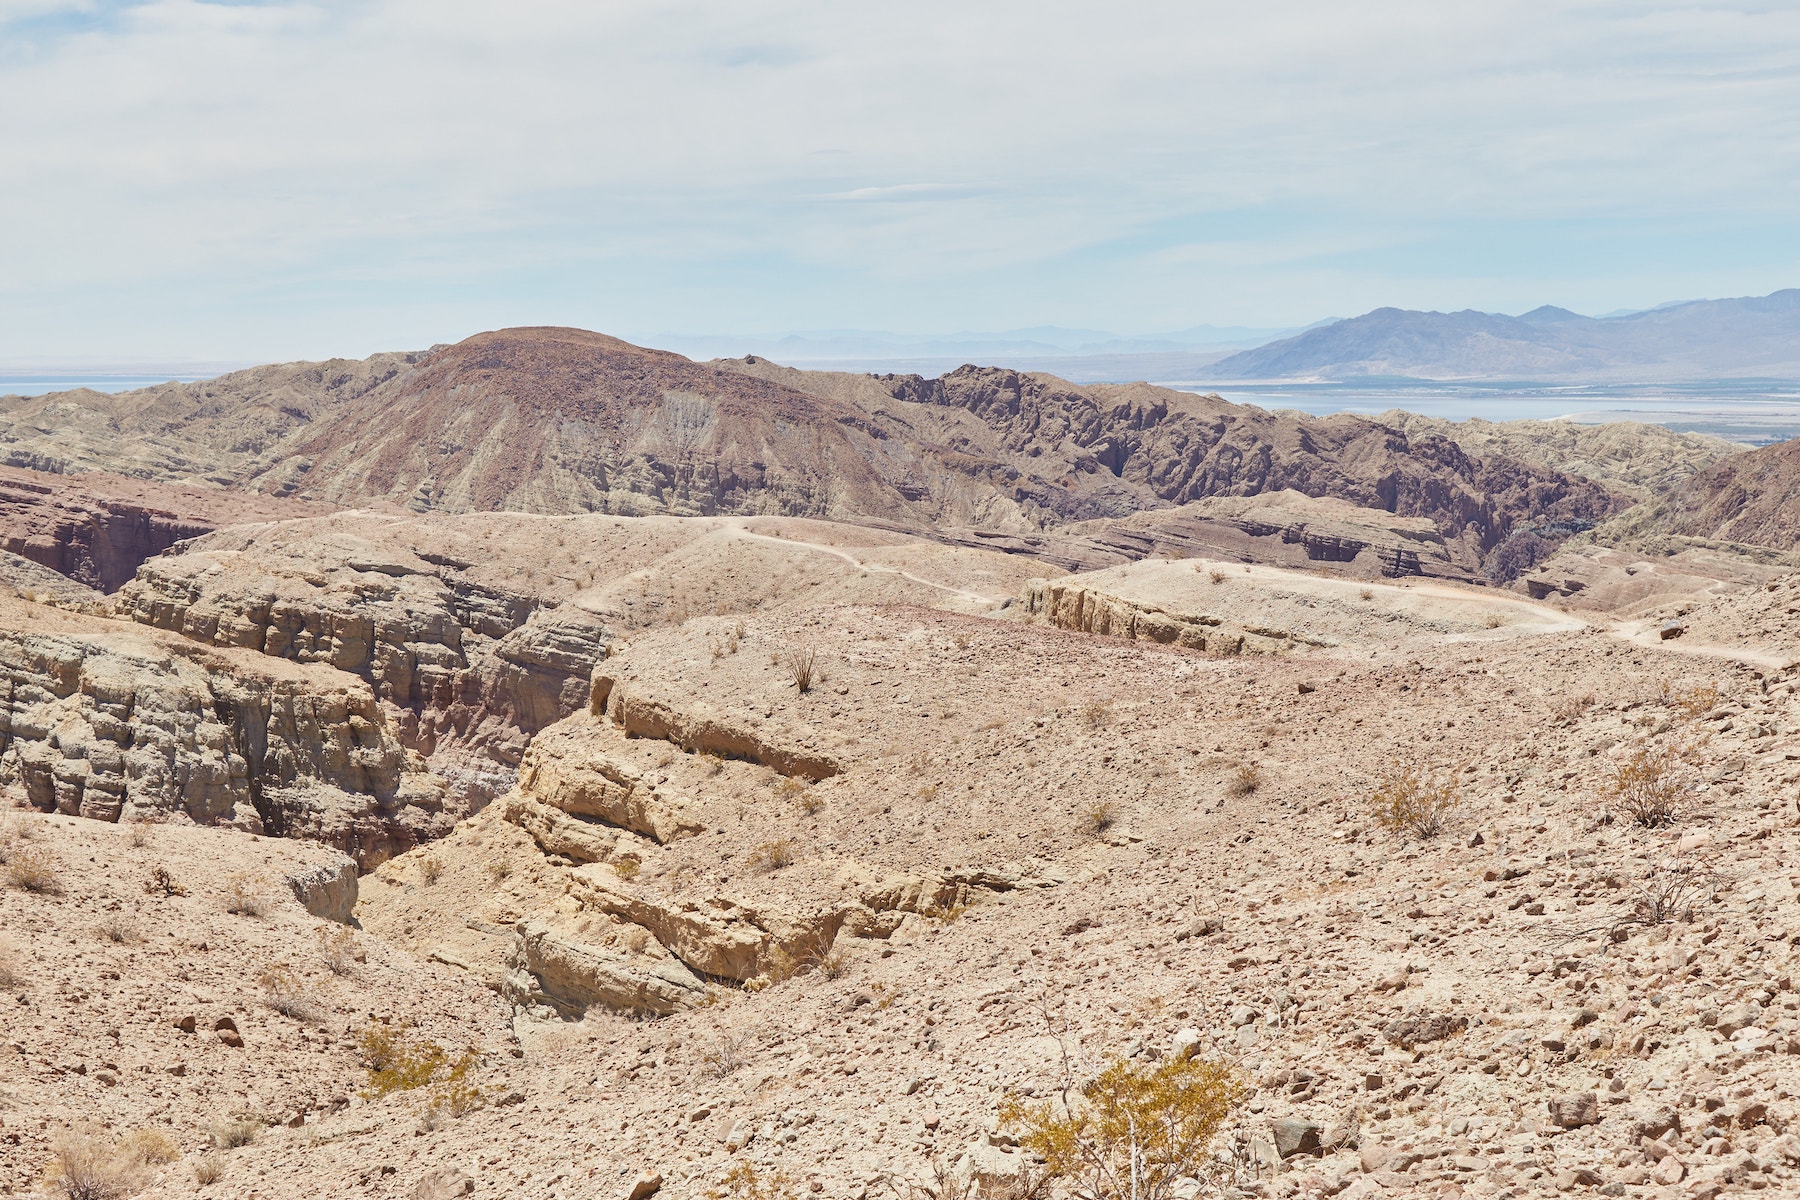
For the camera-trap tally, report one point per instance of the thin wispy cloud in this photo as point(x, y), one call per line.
point(303, 178)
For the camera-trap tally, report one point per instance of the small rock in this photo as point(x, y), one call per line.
point(1372, 1081)
point(186, 1024)
point(1185, 1044)
point(1575, 1177)
point(232, 1038)
point(647, 1185)
point(1670, 630)
point(1575, 1110)
point(1750, 1114)
point(446, 1183)
point(1739, 1016)
point(1293, 1135)
point(1669, 1170)
point(1305, 689)
point(1658, 1123)
point(1423, 1028)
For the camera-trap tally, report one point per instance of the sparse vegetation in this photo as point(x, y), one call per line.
point(500, 870)
point(802, 663)
point(244, 896)
point(151, 1146)
point(1366, 593)
point(431, 869)
point(1216, 575)
point(1102, 817)
point(1096, 714)
point(139, 834)
point(772, 856)
point(745, 1182)
point(162, 883)
point(234, 1133)
point(626, 868)
point(1649, 785)
point(284, 991)
point(725, 1053)
point(397, 1061)
point(1415, 801)
point(209, 1170)
point(118, 929)
point(1244, 780)
point(1571, 708)
point(337, 946)
point(1695, 702)
point(9, 967)
point(1133, 1132)
point(84, 1166)
point(34, 869)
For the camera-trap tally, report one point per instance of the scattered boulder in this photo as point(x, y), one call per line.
point(1294, 1135)
point(1575, 1110)
point(328, 889)
point(446, 1183)
point(1422, 1028)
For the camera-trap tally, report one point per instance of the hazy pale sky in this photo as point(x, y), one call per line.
point(279, 180)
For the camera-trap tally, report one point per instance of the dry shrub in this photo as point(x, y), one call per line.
point(1366, 593)
point(286, 993)
point(1695, 702)
point(118, 929)
point(745, 1182)
point(802, 663)
point(83, 1166)
point(162, 883)
point(1572, 708)
point(726, 1052)
point(1649, 785)
point(500, 870)
point(626, 868)
point(139, 833)
point(1102, 817)
point(399, 1062)
point(1216, 575)
point(431, 869)
point(1096, 714)
point(208, 1170)
point(337, 946)
point(1246, 779)
point(34, 869)
point(9, 969)
point(149, 1146)
point(1133, 1132)
point(772, 856)
point(833, 964)
point(234, 1133)
point(244, 896)
point(1415, 801)
point(637, 939)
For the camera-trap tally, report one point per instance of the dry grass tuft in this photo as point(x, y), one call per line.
point(1695, 702)
point(34, 869)
point(337, 946)
point(149, 1146)
point(1096, 714)
point(284, 991)
point(1416, 802)
point(1246, 779)
point(500, 870)
point(9, 967)
point(399, 1062)
point(802, 663)
point(1102, 817)
point(209, 1170)
point(772, 856)
point(118, 929)
point(244, 896)
point(431, 869)
point(626, 868)
point(85, 1167)
point(234, 1133)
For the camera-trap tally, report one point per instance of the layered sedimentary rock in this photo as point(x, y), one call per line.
point(100, 720)
point(470, 669)
point(96, 529)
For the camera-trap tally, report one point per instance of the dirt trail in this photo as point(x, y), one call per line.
point(742, 532)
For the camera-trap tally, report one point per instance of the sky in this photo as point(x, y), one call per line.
point(277, 180)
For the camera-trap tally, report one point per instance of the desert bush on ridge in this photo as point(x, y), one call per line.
point(85, 1165)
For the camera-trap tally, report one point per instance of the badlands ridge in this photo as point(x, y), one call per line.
point(607, 775)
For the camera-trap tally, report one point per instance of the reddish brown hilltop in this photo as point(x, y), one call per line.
point(551, 420)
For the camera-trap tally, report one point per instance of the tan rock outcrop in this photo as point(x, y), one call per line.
point(549, 967)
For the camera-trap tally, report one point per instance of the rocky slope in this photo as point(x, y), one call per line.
point(1025, 851)
point(1751, 498)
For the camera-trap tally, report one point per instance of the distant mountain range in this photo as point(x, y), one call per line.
point(1751, 337)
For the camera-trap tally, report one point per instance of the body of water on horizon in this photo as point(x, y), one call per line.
point(1754, 412)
